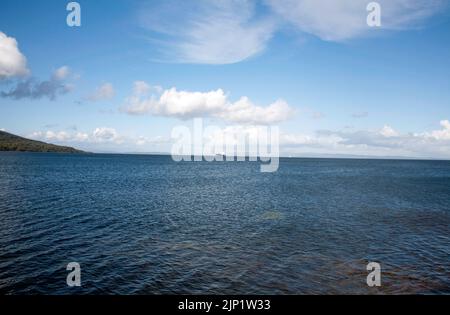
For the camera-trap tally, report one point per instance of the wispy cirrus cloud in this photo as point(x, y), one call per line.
point(333, 20)
point(230, 31)
point(208, 32)
point(188, 104)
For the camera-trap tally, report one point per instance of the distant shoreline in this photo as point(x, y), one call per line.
point(85, 153)
point(13, 143)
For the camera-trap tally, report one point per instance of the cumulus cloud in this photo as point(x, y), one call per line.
point(35, 89)
point(105, 134)
point(186, 104)
point(98, 135)
point(388, 131)
point(443, 134)
point(333, 20)
point(104, 92)
point(383, 142)
point(208, 32)
point(103, 139)
point(59, 136)
point(12, 62)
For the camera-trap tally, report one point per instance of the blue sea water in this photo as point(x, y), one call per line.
point(147, 225)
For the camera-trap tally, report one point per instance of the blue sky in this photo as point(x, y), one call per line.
point(135, 69)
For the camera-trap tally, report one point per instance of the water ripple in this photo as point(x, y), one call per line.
point(147, 225)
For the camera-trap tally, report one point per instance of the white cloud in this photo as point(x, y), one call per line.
point(209, 32)
point(103, 139)
point(387, 131)
point(383, 142)
point(443, 134)
point(12, 62)
point(105, 134)
point(186, 104)
point(181, 104)
point(333, 20)
point(81, 137)
point(102, 93)
point(101, 134)
point(51, 135)
point(230, 31)
point(430, 144)
point(35, 89)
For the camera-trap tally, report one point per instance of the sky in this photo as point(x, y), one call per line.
point(134, 70)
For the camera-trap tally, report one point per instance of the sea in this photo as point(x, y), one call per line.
point(144, 224)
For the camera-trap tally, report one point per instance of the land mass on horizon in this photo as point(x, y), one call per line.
point(11, 142)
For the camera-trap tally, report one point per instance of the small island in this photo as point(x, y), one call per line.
point(10, 142)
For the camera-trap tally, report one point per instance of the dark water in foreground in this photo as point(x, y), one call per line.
point(147, 225)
